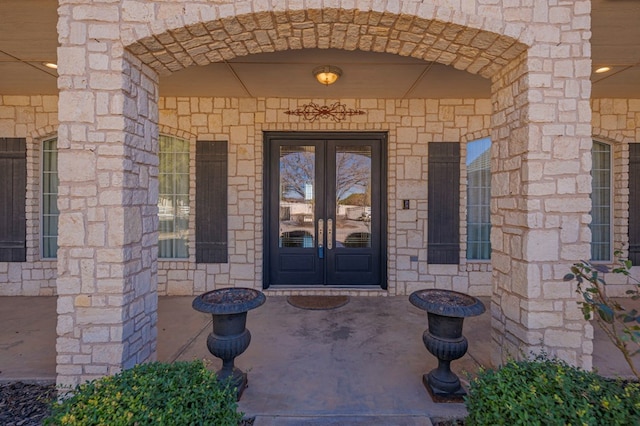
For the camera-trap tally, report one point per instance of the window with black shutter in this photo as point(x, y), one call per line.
point(443, 245)
point(211, 202)
point(13, 189)
point(634, 203)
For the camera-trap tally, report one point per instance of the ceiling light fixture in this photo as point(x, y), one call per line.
point(50, 65)
point(327, 74)
point(602, 69)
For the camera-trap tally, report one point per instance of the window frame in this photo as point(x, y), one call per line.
point(488, 206)
point(609, 258)
point(187, 229)
point(41, 235)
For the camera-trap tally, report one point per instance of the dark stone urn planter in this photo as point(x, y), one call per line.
point(446, 311)
point(230, 337)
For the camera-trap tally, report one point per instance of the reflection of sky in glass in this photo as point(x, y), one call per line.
point(476, 148)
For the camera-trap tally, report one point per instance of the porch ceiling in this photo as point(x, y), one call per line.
point(28, 39)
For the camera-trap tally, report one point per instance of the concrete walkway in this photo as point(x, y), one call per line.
point(358, 364)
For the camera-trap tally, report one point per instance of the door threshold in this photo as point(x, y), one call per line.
point(325, 287)
point(288, 290)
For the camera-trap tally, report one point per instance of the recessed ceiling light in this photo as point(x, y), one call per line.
point(602, 69)
point(50, 65)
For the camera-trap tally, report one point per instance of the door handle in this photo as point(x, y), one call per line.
point(329, 234)
point(320, 238)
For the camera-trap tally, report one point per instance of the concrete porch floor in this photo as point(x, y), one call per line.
point(363, 361)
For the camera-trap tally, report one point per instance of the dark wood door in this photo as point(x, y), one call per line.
point(324, 214)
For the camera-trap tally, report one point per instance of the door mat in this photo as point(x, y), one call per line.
point(318, 302)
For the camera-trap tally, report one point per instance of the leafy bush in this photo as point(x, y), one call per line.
point(621, 326)
point(550, 392)
point(181, 393)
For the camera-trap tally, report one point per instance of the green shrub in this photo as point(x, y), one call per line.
point(620, 325)
point(550, 392)
point(181, 393)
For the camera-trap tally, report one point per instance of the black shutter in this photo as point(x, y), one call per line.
point(13, 192)
point(211, 202)
point(634, 203)
point(444, 203)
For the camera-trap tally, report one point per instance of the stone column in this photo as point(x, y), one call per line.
point(107, 141)
point(541, 162)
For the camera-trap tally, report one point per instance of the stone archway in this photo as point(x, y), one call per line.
point(476, 46)
point(109, 61)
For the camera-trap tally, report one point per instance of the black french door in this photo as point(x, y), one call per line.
point(324, 213)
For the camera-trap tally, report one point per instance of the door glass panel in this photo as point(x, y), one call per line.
point(353, 196)
point(297, 196)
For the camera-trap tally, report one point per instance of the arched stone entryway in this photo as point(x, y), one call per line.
point(109, 61)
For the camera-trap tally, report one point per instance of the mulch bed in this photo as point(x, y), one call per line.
point(23, 404)
point(448, 422)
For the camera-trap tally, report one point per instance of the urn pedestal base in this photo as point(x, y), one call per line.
point(237, 380)
point(439, 395)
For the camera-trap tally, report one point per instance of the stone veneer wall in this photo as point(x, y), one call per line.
point(617, 122)
point(108, 200)
point(35, 117)
point(446, 120)
point(541, 160)
point(412, 125)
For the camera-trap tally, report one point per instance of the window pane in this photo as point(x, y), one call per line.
point(353, 196)
point(478, 199)
point(297, 196)
point(49, 210)
point(181, 182)
point(165, 182)
point(601, 202)
point(173, 198)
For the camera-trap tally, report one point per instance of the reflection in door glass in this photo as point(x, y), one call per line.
point(353, 196)
point(297, 196)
